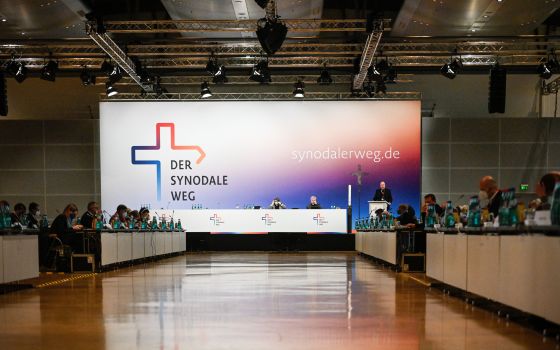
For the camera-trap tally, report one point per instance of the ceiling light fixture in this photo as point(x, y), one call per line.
point(110, 89)
point(87, 77)
point(261, 73)
point(48, 72)
point(205, 90)
point(546, 69)
point(298, 89)
point(450, 70)
point(271, 33)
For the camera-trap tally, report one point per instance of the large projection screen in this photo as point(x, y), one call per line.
point(233, 154)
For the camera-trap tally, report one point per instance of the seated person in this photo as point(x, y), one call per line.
point(490, 196)
point(18, 216)
point(406, 216)
point(277, 204)
point(430, 198)
point(545, 189)
point(89, 215)
point(313, 203)
point(144, 214)
point(135, 215)
point(121, 215)
point(64, 227)
point(33, 216)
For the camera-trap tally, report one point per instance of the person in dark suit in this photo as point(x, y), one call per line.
point(87, 218)
point(406, 216)
point(313, 204)
point(33, 215)
point(430, 198)
point(383, 194)
point(490, 196)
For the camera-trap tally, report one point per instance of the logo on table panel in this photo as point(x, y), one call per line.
point(216, 220)
point(158, 147)
point(320, 220)
point(268, 220)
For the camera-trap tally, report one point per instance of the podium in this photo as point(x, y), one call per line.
point(374, 205)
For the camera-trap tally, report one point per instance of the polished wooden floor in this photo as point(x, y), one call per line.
point(252, 301)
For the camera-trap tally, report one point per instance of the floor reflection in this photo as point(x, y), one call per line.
point(252, 301)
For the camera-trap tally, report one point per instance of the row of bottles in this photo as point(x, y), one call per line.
point(375, 223)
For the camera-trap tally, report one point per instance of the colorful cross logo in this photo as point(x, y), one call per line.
point(268, 220)
point(157, 163)
point(320, 219)
point(216, 220)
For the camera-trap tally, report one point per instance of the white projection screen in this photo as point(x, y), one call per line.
point(232, 154)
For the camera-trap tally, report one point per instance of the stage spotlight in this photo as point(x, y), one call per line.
point(325, 77)
point(262, 3)
point(374, 73)
point(271, 34)
point(115, 75)
point(12, 67)
point(220, 76)
point(48, 72)
point(546, 69)
point(87, 77)
point(205, 90)
point(450, 70)
point(260, 73)
point(17, 70)
point(298, 89)
point(110, 89)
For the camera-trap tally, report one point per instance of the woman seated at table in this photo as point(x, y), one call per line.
point(64, 226)
point(545, 189)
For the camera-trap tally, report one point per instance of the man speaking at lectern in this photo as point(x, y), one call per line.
point(383, 194)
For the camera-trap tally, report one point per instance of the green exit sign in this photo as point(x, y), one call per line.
point(524, 187)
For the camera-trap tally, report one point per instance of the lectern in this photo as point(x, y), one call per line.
point(374, 205)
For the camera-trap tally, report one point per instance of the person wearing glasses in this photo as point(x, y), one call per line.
point(89, 215)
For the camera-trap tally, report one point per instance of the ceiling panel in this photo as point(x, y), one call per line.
point(472, 17)
point(42, 19)
point(241, 9)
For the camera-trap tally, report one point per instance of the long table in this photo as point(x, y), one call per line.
point(259, 220)
point(124, 245)
point(516, 270)
point(19, 257)
point(391, 246)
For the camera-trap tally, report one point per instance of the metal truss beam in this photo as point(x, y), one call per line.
point(285, 79)
point(372, 42)
point(275, 96)
point(72, 49)
point(117, 55)
point(293, 62)
point(243, 49)
point(195, 26)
